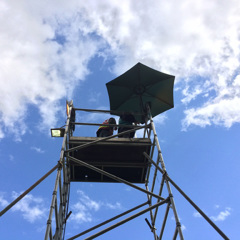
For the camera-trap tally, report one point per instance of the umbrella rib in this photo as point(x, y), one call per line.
point(160, 99)
point(117, 85)
point(154, 82)
point(119, 105)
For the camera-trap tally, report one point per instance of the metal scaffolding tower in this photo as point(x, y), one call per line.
point(112, 159)
point(131, 161)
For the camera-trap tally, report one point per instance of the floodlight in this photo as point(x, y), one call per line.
point(57, 132)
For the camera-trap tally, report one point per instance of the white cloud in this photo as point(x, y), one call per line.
point(197, 214)
point(117, 205)
point(43, 60)
point(190, 95)
point(80, 213)
point(32, 208)
point(2, 135)
point(38, 150)
point(85, 208)
point(35, 69)
point(3, 201)
point(222, 112)
point(219, 217)
point(160, 119)
point(222, 215)
point(183, 227)
point(82, 210)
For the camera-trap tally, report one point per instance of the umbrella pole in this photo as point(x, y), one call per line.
point(145, 130)
point(160, 158)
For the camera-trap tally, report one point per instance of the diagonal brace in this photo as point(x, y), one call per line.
point(187, 198)
point(107, 221)
point(127, 219)
point(113, 177)
point(29, 189)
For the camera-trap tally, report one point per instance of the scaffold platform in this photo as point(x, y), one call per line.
point(122, 157)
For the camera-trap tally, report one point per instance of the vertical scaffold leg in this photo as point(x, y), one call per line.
point(172, 203)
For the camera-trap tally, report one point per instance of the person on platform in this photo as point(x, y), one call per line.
point(105, 131)
point(126, 119)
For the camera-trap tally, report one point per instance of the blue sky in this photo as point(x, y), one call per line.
point(58, 50)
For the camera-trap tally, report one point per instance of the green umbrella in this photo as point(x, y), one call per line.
point(139, 86)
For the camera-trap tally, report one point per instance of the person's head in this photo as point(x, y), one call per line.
point(128, 117)
point(112, 121)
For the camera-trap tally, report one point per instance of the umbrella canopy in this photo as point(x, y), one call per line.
point(139, 86)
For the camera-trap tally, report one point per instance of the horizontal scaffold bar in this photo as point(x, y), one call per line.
point(101, 140)
point(113, 112)
point(108, 125)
